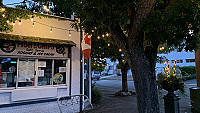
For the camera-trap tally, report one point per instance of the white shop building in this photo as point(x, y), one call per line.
point(38, 64)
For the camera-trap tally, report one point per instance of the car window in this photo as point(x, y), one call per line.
point(96, 72)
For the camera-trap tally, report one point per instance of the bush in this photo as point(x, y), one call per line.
point(189, 77)
point(188, 70)
point(96, 94)
point(118, 74)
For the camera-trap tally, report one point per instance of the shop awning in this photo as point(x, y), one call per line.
point(35, 39)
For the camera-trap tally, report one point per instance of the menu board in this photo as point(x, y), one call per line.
point(26, 70)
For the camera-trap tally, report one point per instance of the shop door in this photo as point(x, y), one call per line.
point(26, 72)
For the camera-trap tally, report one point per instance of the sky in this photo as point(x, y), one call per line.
point(11, 1)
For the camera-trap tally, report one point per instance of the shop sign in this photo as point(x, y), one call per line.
point(15, 48)
point(58, 78)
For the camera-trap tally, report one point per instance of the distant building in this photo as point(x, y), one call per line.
point(182, 59)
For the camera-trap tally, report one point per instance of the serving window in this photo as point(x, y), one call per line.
point(28, 72)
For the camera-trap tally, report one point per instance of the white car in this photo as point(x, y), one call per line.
point(96, 75)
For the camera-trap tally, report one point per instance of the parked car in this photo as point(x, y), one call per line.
point(96, 75)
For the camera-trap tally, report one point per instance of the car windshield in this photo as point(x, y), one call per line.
point(96, 72)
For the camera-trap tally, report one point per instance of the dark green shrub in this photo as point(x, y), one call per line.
point(96, 94)
point(189, 77)
point(188, 70)
point(118, 74)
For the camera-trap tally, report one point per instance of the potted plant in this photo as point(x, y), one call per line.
point(170, 81)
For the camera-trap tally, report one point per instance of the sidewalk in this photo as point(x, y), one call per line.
point(128, 104)
point(115, 77)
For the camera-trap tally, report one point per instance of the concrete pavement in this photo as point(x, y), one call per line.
point(128, 104)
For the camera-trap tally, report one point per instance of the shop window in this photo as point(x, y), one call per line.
point(44, 72)
point(111, 68)
point(59, 72)
point(190, 60)
point(8, 72)
point(177, 61)
point(26, 72)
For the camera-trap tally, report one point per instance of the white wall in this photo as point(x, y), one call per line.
point(26, 29)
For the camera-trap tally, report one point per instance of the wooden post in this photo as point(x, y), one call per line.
point(197, 62)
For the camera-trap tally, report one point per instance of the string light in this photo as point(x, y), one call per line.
point(47, 10)
point(120, 50)
point(103, 35)
point(3, 9)
point(51, 29)
point(3, 15)
point(20, 22)
point(98, 37)
point(17, 18)
point(70, 34)
point(33, 24)
point(13, 23)
point(107, 34)
point(7, 21)
point(93, 31)
point(32, 18)
point(45, 7)
point(162, 48)
point(108, 44)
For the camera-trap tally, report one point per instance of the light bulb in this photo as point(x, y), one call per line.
point(13, 23)
point(3, 15)
point(33, 24)
point(98, 37)
point(17, 18)
point(20, 22)
point(70, 34)
point(108, 44)
point(47, 10)
point(51, 29)
point(7, 21)
point(120, 50)
point(103, 35)
point(107, 34)
point(32, 18)
point(45, 7)
point(3, 9)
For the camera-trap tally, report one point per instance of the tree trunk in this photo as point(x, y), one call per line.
point(141, 59)
point(124, 69)
point(124, 80)
point(143, 68)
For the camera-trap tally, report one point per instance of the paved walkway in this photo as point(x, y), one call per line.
point(116, 104)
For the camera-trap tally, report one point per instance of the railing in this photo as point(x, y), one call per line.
point(71, 100)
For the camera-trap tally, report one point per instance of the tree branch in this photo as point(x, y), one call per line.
point(145, 7)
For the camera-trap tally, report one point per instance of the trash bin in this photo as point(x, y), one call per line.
point(195, 99)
